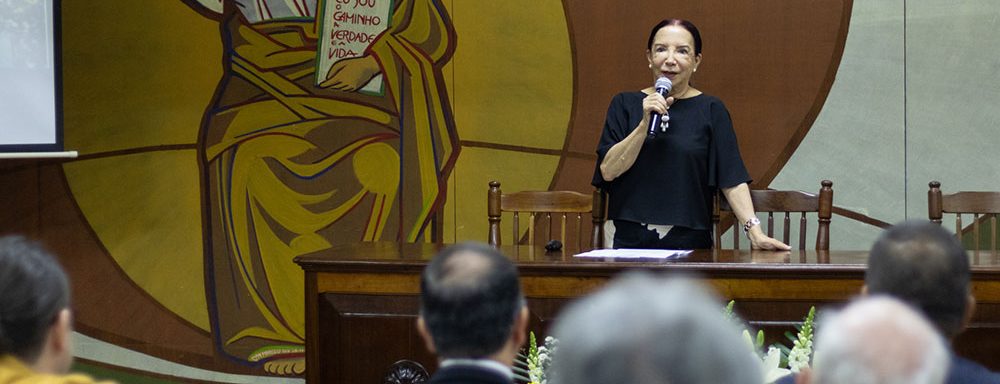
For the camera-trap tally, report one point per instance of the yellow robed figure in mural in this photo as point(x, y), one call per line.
point(291, 167)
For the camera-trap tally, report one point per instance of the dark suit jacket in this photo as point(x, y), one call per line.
point(962, 371)
point(787, 379)
point(466, 374)
point(969, 372)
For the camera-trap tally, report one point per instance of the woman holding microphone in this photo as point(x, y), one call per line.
point(661, 179)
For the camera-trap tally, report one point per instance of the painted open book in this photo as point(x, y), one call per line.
point(346, 29)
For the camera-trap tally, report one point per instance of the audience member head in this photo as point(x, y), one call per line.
point(923, 265)
point(878, 340)
point(35, 321)
point(471, 304)
point(644, 330)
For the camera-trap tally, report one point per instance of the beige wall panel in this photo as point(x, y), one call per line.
point(857, 139)
point(952, 98)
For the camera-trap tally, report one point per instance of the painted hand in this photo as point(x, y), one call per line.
point(349, 75)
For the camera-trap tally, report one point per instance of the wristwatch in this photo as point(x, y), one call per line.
point(749, 224)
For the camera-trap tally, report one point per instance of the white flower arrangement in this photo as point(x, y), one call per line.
point(531, 367)
point(771, 362)
point(802, 346)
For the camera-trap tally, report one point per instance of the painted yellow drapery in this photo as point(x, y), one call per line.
point(291, 168)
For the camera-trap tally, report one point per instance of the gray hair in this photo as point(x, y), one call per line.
point(879, 340)
point(647, 330)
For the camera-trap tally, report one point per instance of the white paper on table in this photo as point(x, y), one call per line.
point(626, 253)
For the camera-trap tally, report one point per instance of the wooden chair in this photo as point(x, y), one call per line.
point(981, 205)
point(542, 205)
point(787, 202)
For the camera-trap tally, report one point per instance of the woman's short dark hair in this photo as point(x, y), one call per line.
point(33, 290)
point(689, 26)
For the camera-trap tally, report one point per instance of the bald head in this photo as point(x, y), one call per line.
point(470, 296)
point(464, 268)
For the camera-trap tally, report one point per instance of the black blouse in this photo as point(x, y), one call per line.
point(676, 173)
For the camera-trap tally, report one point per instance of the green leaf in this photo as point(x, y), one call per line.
point(728, 311)
point(791, 336)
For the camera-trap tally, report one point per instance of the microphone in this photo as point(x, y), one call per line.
point(663, 86)
point(553, 245)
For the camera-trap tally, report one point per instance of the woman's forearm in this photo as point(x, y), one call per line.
point(742, 206)
point(740, 202)
point(621, 156)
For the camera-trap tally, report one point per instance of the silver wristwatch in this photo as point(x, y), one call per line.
point(749, 224)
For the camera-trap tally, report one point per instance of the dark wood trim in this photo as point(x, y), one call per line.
point(312, 330)
point(840, 211)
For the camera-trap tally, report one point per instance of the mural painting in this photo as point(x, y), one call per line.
point(298, 159)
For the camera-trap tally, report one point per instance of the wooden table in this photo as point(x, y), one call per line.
point(362, 299)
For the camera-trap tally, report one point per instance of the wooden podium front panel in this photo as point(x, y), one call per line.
point(363, 335)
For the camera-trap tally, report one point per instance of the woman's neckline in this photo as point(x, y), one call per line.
point(649, 91)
